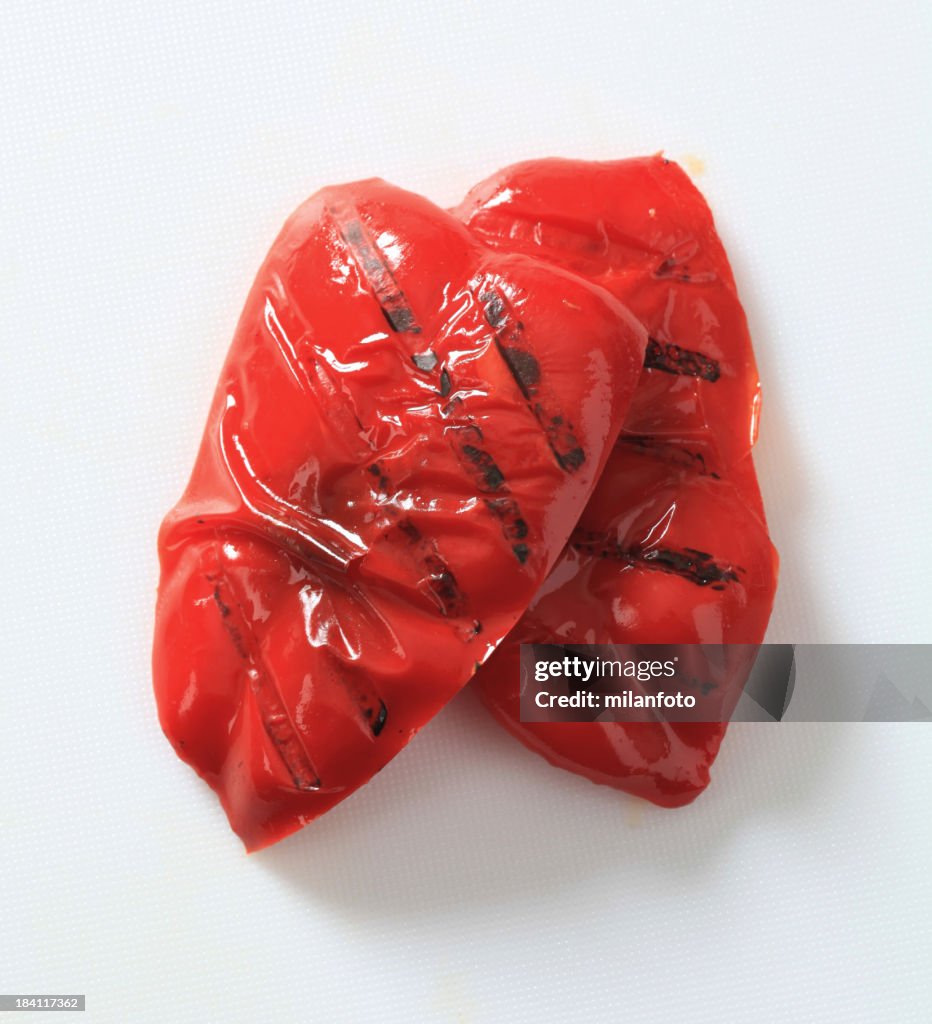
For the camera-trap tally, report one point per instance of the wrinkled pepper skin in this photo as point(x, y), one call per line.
point(643, 231)
point(673, 547)
point(401, 441)
point(662, 554)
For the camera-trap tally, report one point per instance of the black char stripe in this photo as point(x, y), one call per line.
point(275, 720)
point(376, 470)
point(525, 369)
point(687, 362)
point(442, 584)
point(670, 452)
point(374, 266)
point(481, 465)
point(698, 567)
point(425, 361)
point(508, 511)
point(369, 704)
point(514, 526)
point(439, 580)
point(485, 469)
point(489, 479)
point(375, 713)
point(695, 566)
point(377, 724)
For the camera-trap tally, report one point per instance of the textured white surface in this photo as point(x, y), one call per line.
point(148, 154)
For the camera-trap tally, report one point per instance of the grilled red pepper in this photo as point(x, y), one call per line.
point(643, 231)
point(406, 429)
point(662, 554)
point(667, 551)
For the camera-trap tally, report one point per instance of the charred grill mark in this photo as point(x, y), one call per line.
point(377, 721)
point(275, 720)
point(495, 312)
point(409, 530)
point(489, 479)
point(514, 526)
point(669, 452)
point(665, 267)
point(480, 464)
point(439, 582)
point(571, 458)
point(232, 631)
point(687, 362)
point(376, 270)
point(668, 268)
point(371, 707)
point(443, 586)
point(376, 470)
point(508, 511)
point(425, 361)
point(447, 410)
point(698, 567)
point(524, 367)
point(490, 476)
point(679, 257)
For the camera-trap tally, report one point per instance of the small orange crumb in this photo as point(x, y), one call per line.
point(694, 165)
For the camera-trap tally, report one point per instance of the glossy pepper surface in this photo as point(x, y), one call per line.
point(643, 231)
point(407, 428)
point(673, 547)
point(662, 555)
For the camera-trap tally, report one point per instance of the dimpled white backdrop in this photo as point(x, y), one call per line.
point(149, 153)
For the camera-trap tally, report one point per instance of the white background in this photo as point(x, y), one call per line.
point(148, 155)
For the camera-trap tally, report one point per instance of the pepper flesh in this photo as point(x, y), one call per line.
point(400, 444)
point(673, 547)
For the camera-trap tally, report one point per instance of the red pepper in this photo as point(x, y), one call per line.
point(400, 444)
point(667, 551)
point(662, 554)
point(643, 231)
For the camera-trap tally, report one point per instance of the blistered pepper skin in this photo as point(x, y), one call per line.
point(400, 444)
point(673, 547)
